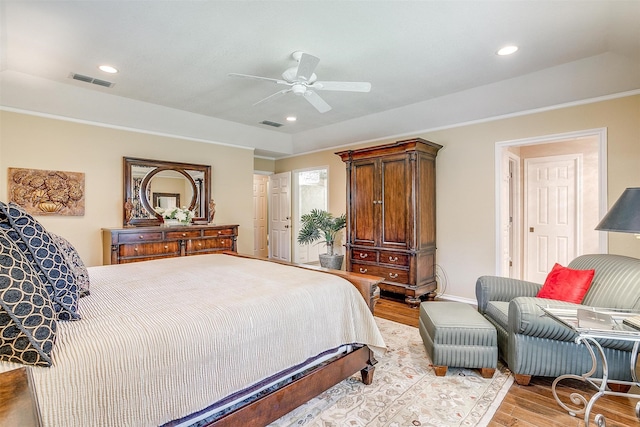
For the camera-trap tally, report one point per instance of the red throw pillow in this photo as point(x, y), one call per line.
point(565, 284)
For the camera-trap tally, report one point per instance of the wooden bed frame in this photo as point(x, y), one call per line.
point(18, 398)
point(282, 401)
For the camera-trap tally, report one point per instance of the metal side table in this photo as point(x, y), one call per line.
point(588, 337)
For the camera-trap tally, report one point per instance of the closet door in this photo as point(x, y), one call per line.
point(396, 201)
point(365, 209)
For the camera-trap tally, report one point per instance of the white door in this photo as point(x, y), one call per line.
point(260, 224)
point(280, 216)
point(551, 208)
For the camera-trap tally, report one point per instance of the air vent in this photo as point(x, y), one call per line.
point(92, 80)
point(269, 123)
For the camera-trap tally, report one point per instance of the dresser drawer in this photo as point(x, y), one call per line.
point(198, 245)
point(390, 274)
point(186, 234)
point(393, 258)
point(150, 249)
point(220, 232)
point(364, 255)
point(139, 237)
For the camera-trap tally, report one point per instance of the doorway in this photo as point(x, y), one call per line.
point(513, 252)
point(310, 192)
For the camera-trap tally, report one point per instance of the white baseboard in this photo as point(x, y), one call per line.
point(458, 299)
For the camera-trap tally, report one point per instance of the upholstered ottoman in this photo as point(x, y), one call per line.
point(455, 334)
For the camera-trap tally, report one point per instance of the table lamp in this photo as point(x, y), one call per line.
point(624, 215)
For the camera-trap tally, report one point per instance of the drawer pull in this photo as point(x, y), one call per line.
point(135, 249)
point(393, 275)
point(363, 270)
point(184, 234)
point(363, 255)
point(219, 232)
point(166, 246)
point(141, 237)
point(199, 244)
point(393, 258)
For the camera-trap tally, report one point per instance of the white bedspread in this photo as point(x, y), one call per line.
point(159, 340)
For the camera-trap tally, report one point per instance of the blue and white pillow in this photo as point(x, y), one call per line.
point(29, 233)
point(78, 269)
point(27, 319)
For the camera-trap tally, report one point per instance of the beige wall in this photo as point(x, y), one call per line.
point(264, 165)
point(28, 141)
point(466, 187)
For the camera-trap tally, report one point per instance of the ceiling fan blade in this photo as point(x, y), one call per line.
point(307, 65)
point(343, 86)
point(248, 76)
point(272, 96)
point(315, 100)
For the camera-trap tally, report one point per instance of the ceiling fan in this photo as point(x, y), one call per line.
point(302, 81)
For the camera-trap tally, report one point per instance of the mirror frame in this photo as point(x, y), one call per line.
point(160, 166)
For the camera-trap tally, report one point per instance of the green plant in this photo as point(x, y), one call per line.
point(320, 224)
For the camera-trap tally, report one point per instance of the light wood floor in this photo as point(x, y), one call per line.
point(532, 405)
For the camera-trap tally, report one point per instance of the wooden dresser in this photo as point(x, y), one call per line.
point(391, 215)
point(122, 245)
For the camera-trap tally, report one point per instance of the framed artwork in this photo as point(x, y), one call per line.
point(45, 192)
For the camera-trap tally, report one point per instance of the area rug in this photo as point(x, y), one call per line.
point(405, 392)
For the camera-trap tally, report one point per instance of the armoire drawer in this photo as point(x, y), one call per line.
point(394, 258)
point(364, 255)
point(390, 274)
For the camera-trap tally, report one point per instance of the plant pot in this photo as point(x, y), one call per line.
point(333, 262)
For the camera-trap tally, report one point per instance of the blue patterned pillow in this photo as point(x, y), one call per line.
point(27, 319)
point(78, 269)
point(40, 249)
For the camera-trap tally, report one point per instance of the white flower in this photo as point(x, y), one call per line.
point(181, 214)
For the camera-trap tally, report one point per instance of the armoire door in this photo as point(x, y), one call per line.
point(396, 185)
point(365, 209)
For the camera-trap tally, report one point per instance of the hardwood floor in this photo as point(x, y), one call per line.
point(533, 405)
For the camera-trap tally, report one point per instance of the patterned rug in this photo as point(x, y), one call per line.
point(405, 392)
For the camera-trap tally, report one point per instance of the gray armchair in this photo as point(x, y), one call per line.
point(535, 345)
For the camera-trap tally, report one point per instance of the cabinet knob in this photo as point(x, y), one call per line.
point(135, 249)
point(393, 275)
point(393, 258)
point(184, 234)
point(363, 255)
point(219, 232)
point(363, 270)
point(166, 246)
point(199, 244)
point(141, 237)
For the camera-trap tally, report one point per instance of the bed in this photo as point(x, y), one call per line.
point(217, 340)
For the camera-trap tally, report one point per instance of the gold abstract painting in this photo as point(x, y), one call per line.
point(43, 192)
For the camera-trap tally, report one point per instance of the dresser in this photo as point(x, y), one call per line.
point(122, 245)
point(391, 224)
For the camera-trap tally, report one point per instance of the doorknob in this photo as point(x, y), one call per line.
point(286, 226)
point(530, 229)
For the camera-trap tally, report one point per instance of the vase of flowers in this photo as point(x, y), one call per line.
point(175, 215)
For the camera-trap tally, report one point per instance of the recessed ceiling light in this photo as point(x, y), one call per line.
point(108, 69)
point(292, 118)
point(507, 50)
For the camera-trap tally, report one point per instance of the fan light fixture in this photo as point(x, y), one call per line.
point(507, 50)
point(108, 69)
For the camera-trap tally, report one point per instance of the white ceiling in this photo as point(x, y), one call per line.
point(431, 63)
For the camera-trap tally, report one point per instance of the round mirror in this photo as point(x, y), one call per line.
point(169, 187)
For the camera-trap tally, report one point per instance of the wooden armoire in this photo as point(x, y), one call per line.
point(391, 215)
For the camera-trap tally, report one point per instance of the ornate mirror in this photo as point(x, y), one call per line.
point(153, 183)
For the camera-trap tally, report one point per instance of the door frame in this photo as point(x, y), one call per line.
point(501, 146)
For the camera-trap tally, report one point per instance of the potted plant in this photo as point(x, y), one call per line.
point(175, 215)
point(320, 224)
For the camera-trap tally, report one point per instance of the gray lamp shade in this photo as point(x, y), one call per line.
point(624, 215)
